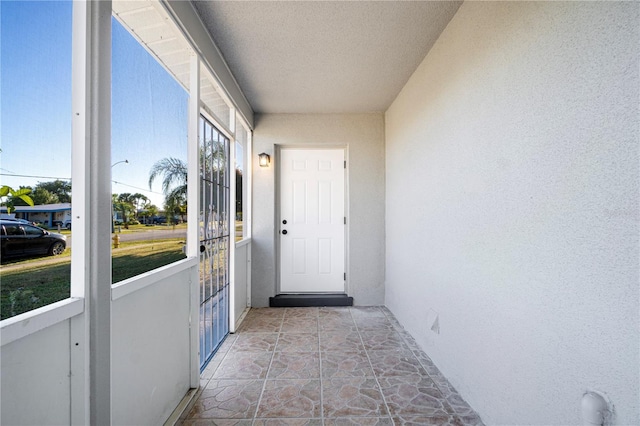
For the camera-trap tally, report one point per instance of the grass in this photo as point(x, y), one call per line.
point(17, 261)
point(32, 283)
point(133, 258)
point(120, 229)
point(132, 228)
point(42, 285)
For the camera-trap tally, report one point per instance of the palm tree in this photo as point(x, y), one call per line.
point(175, 205)
point(174, 175)
point(174, 172)
point(124, 204)
point(174, 183)
point(150, 210)
point(139, 201)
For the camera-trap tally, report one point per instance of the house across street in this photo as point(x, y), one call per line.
point(47, 214)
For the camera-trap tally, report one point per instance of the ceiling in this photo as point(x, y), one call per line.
point(324, 56)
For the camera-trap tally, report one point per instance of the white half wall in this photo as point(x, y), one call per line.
point(42, 372)
point(36, 388)
point(241, 278)
point(363, 135)
point(150, 350)
point(512, 214)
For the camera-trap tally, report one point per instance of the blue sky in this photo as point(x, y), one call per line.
point(149, 108)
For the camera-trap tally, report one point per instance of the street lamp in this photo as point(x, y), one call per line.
point(118, 162)
point(113, 225)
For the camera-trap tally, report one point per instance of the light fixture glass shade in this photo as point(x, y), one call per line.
point(264, 159)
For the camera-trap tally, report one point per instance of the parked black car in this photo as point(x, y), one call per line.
point(22, 221)
point(20, 239)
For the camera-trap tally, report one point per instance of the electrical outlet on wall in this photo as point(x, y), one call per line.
point(433, 321)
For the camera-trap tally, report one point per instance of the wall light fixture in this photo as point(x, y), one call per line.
point(264, 159)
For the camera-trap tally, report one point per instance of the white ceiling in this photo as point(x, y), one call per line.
point(149, 23)
point(324, 56)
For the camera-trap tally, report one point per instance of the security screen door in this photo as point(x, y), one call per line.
point(312, 221)
point(214, 239)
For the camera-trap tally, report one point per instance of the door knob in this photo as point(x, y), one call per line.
point(284, 232)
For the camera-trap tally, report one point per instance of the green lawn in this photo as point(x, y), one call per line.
point(132, 228)
point(146, 228)
point(32, 283)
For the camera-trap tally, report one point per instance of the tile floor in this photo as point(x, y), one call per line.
point(324, 366)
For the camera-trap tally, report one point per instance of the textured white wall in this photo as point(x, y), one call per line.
point(35, 378)
point(363, 134)
point(512, 207)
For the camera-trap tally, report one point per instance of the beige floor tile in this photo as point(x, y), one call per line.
point(359, 421)
point(255, 342)
point(244, 365)
point(290, 398)
point(340, 341)
point(217, 422)
point(295, 365)
point(413, 396)
point(261, 325)
point(228, 399)
point(299, 325)
point(397, 362)
point(381, 340)
point(325, 367)
point(288, 422)
point(297, 342)
point(352, 397)
point(345, 364)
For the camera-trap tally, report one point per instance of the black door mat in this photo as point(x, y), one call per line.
point(306, 300)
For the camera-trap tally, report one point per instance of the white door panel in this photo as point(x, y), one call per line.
point(312, 220)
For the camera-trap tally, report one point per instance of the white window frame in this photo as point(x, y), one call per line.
point(19, 326)
point(246, 183)
point(89, 307)
point(145, 279)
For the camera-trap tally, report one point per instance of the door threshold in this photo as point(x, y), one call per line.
point(308, 300)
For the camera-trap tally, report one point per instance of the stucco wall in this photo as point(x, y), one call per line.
point(512, 207)
point(363, 135)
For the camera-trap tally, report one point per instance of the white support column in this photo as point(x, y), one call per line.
point(232, 220)
point(193, 159)
point(80, 99)
point(193, 214)
point(90, 362)
point(99, 198)
point(248, 208)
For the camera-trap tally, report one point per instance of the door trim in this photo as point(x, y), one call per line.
point(277, 197)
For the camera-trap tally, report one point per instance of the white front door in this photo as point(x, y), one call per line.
point(312, 220)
